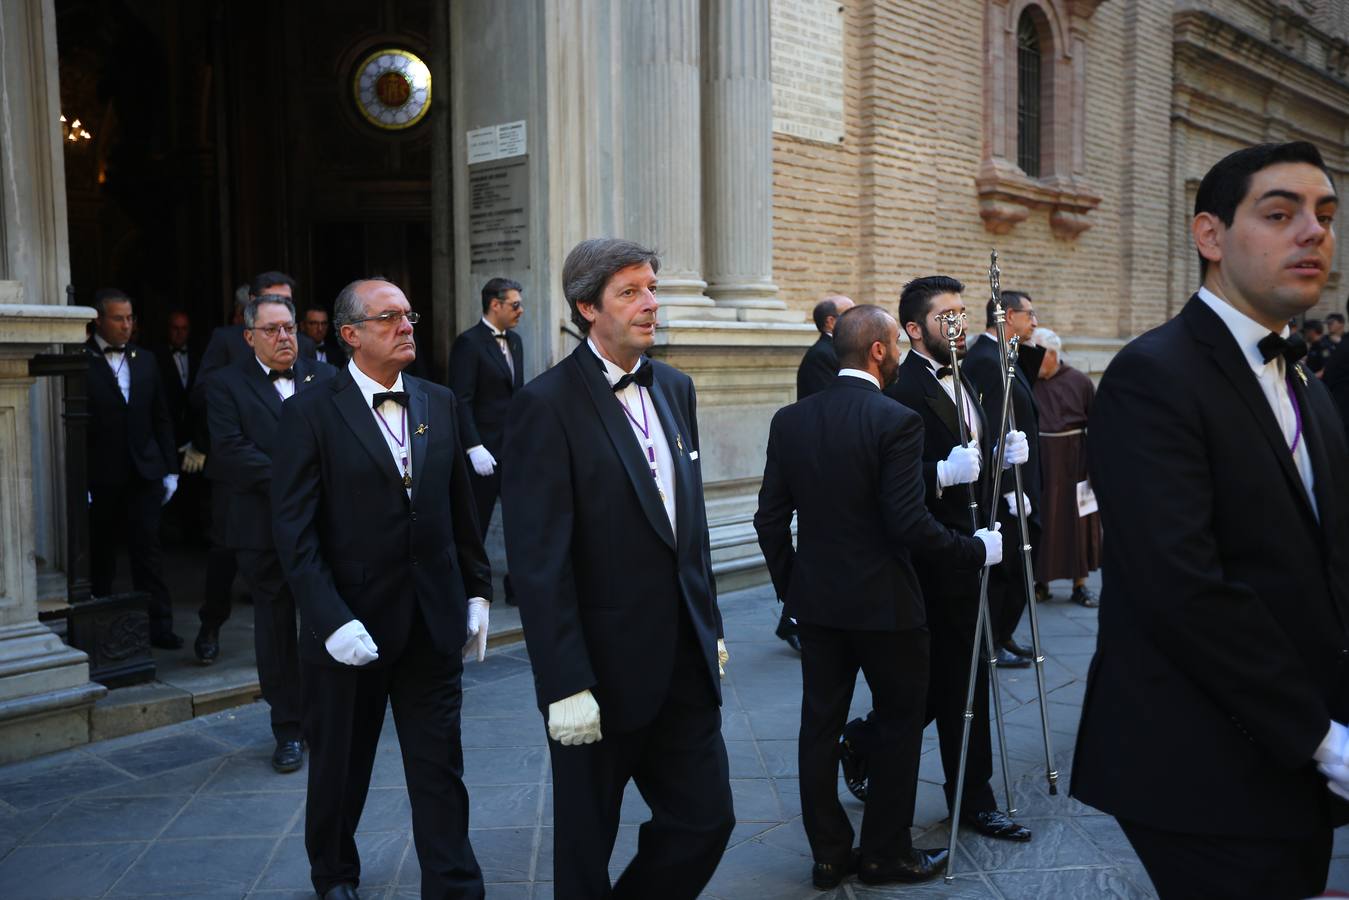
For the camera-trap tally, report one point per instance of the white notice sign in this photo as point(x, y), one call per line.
point(496, 142)
point(807, 59)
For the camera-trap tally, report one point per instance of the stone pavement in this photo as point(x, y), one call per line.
point(194, 810)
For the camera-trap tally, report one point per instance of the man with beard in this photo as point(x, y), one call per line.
point(868, 615)
point(1218, 684)
point(950, 474)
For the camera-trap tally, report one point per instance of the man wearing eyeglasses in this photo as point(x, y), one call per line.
point(375, 527)
point(487, 367)
point(133, 460)
point(244, 405)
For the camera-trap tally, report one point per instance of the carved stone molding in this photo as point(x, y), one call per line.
point(1007, 196)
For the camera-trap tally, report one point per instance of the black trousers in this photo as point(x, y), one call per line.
point(485, 493)
point(1189, 866)
point(221, 564)
point(895, 664)
point(679, 764)
point(130, 512)
point(1006, 583)
point(274, 640)
point(344, 712)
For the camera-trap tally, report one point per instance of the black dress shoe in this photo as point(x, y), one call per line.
point(996, 824)
point(830, 875)
point(342, 892)
point(288, 756)
point(787, 631)
point(1019, 650)
point(1009, 660)
point(854, 767)
point(207, 644)
point(911, 867)
point(1085, 596)
point(166, 640)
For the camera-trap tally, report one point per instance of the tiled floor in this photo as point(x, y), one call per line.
point(194, 810)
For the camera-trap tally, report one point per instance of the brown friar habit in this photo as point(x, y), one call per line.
point(1070, 545)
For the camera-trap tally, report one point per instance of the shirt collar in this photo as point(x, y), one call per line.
point(931, 363)
point(1246, 331)
point(492, 328)
point(611, 371)
point(369, 386)
point(267, 370)
point(102, 344)
point(858, 373)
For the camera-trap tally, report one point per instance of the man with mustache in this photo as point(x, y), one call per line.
point(602, 493)
point(1218, 687)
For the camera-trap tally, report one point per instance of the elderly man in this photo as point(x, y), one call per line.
point(1070, 541)
point(374, 524)
point(244, 407)
point(603, 495)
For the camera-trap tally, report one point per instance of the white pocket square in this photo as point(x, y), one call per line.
point(693, 454)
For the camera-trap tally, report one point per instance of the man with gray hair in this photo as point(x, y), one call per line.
point(374, 522)
point(603, 494)
point(244, 406)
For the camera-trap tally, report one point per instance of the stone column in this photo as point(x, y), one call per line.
point(45, 692)
point(657, 132)
point(737, 97)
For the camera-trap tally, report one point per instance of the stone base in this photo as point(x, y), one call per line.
point(131, 710)
point(115, 632)
point(45, 723)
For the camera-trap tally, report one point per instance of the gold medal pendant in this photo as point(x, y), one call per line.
point(407, 480)
point(662, 494)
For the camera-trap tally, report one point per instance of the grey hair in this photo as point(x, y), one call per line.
point(591, 264)
point(1043, 337)
point(251, 310)
point(348, 307)
point(241, 296)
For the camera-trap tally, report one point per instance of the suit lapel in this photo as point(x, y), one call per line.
point(674, 430)
point(351, 404)
point(940, 402)
point(493, 349)
point(263, 386)
point(625, 443)
point(418, 415)
point(1316, 450)
point(103, 371)
point(518, 355)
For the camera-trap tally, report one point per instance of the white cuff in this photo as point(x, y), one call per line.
point(1333, 745)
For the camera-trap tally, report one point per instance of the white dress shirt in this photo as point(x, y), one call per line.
point(180, 362)
point(948, 384)
point(858, 373)
point(284, 386)
point(503, 346)
point(120, 369)
point(1273, 379)
point(391, 419)
point(633, 398)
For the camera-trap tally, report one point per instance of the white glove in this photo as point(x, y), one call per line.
point(484, 463)
point(1337, 778)
point(352, 645)
point(961, 467)
point(1015, 450)
point(193, 460)
point(477, 628)
point(574, 720)
point(170, 485)
point(1010, 497)
point(723, 657)
point(992, 544)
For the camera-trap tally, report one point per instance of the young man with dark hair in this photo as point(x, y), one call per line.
point(851, 584)
point(1218, 685)
point(603, 494)
point(487, 367)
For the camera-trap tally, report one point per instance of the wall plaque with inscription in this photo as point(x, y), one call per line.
point(498, 216)
point(807, 60)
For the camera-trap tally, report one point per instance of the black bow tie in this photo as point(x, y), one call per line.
point(274, 374)
point(399, 397)
point(501, 337)
point(114, 348)
point(1272, 345)
point(179, 349)
point(944, 372)
point(641, 377)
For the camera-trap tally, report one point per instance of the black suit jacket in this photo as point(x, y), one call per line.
point(1222, 650)
point(1335, 376)
point(244, 409)
point(128, 439)
point(982, 367)
point(605, 575)
point(176, 394)
point(952, 595)
point(484, 384)
point(351, 542)
point(818, 368)
point(848, 461)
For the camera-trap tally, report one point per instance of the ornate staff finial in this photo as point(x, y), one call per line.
point(994, 274)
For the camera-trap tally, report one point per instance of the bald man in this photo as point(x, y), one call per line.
point(820, 364)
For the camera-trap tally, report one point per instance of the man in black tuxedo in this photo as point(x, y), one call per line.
point(133, 461)
point(983, 368)
point(954, 478)
point(487, 367)
point(227, 344)
point(244, 403)
point(603, 494)
point(820, 364)
point(179, 362)
point(317, 326)
point(1219, 680)
point(374, 525)
point(848, 463)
